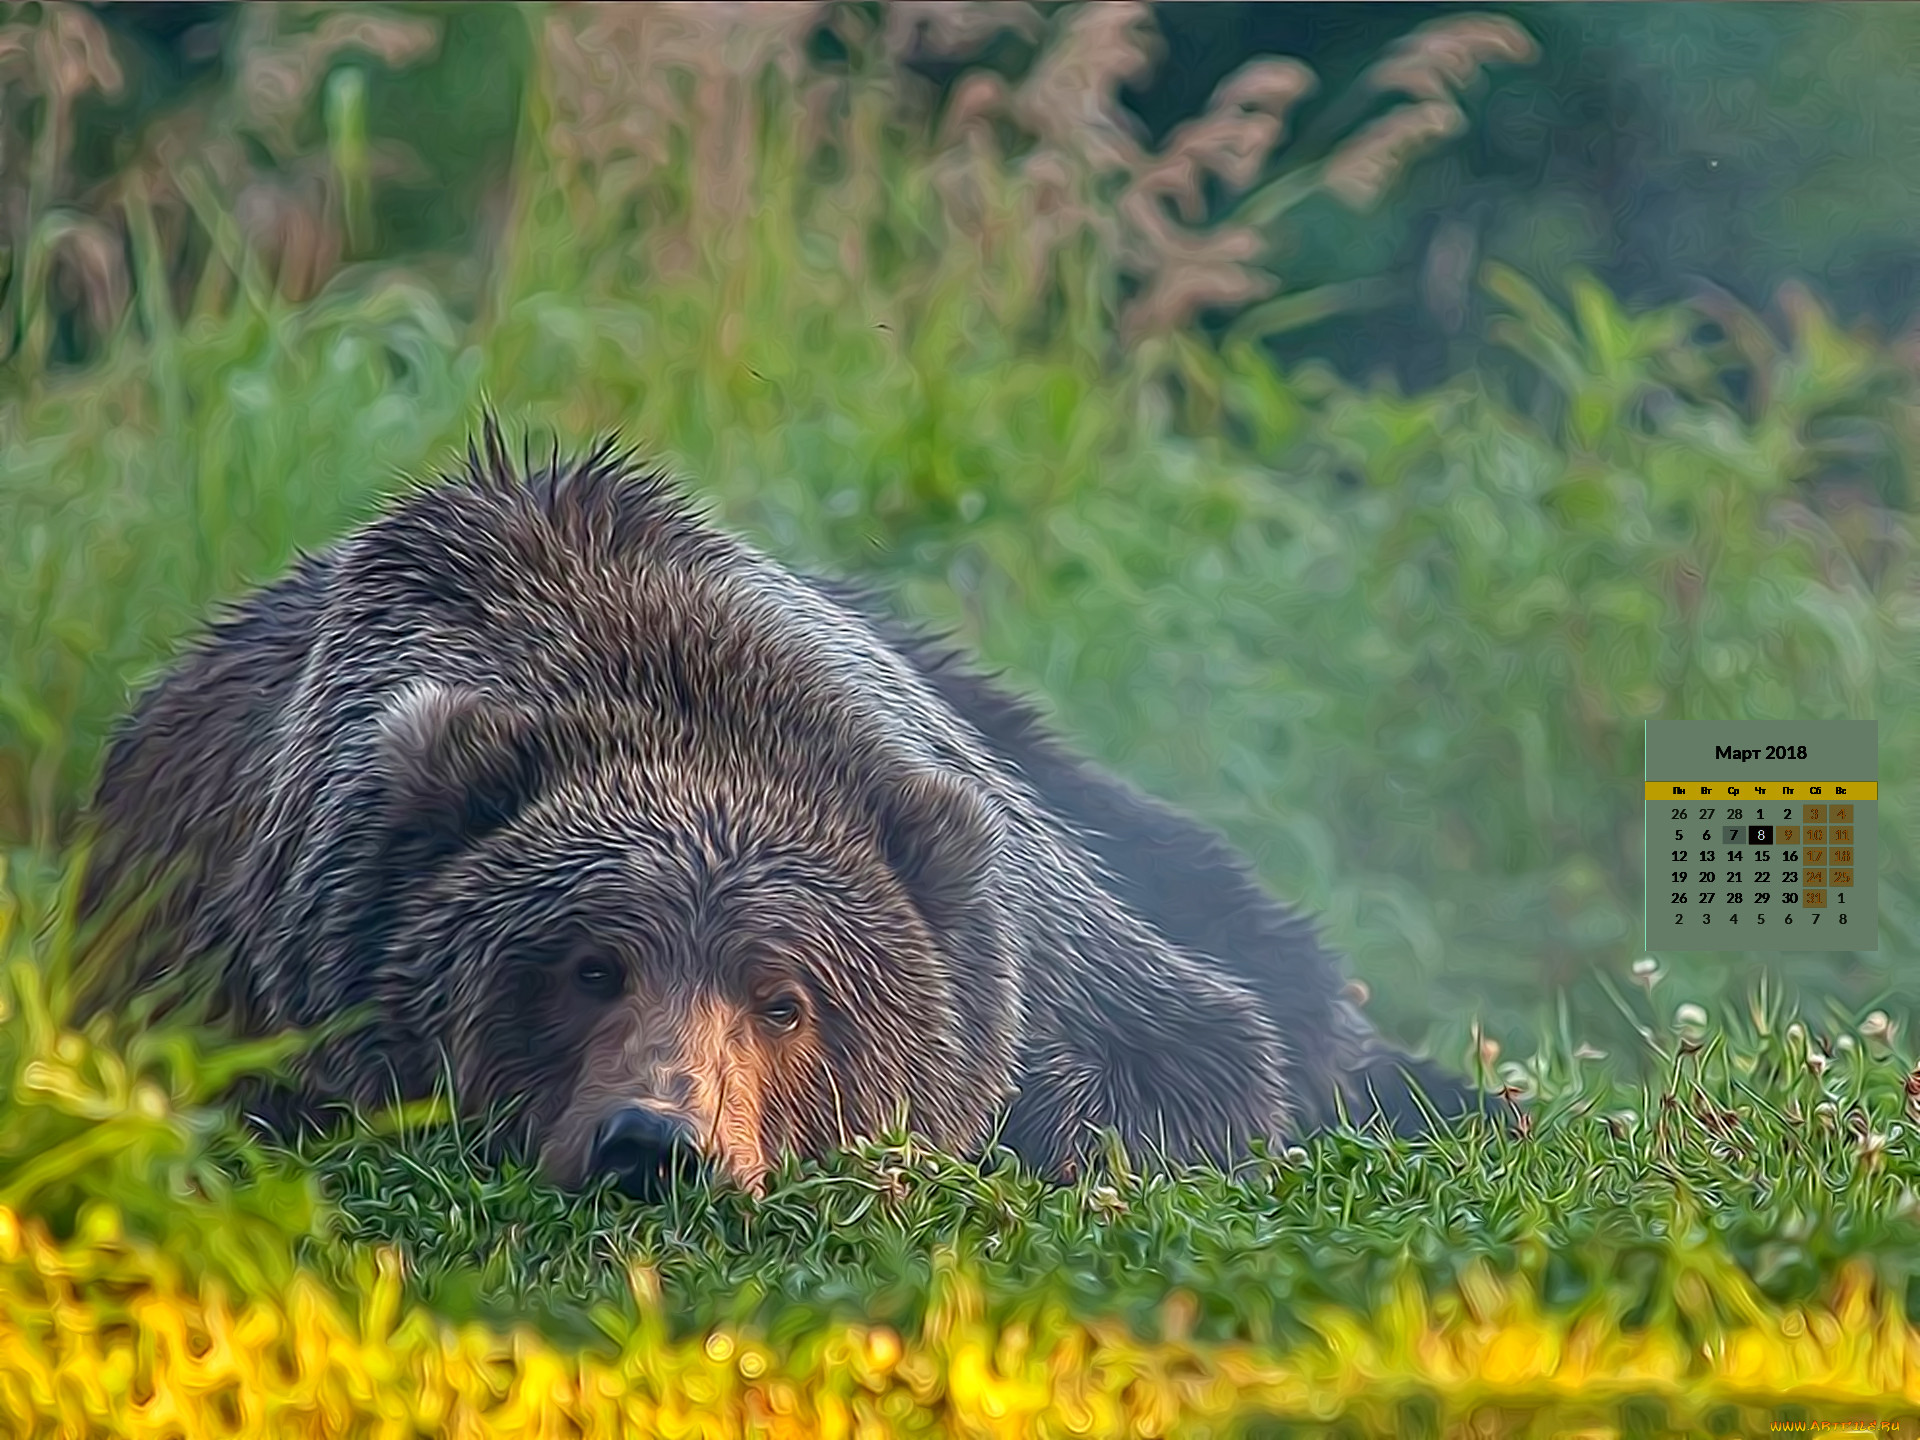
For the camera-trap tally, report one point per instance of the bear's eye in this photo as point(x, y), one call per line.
point(598, 977)
point(781, 1013)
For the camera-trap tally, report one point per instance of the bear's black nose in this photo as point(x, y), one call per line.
point(645, 1150)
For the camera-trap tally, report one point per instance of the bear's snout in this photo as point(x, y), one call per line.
point(645, 1150)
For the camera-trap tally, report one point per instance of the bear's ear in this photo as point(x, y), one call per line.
point(456, 766)
point(940, 839)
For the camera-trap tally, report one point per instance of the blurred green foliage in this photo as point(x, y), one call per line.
point(1399, 646)
point(1670, 149)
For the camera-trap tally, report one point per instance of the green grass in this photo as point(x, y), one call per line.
point(1758, 1161)
point(1741, 1154)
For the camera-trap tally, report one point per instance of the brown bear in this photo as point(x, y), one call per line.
point(682, 857)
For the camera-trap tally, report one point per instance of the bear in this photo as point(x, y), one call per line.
point(1196, 890)
point(687, 861)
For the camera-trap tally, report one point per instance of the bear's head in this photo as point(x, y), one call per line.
point(663, 942)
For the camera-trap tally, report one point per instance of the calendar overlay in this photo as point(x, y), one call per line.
point(1762, 835)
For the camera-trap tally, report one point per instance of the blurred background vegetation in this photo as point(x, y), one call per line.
point(1352, 421)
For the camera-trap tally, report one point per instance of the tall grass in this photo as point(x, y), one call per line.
point(1399, 646)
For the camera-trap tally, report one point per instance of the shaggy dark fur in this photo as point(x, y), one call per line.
point(1190, 884)
point(605, 814)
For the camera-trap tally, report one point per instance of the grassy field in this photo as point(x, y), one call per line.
point(1400, 647)
point(1731, 1244)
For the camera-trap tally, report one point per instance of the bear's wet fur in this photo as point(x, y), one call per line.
point(596, 810)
